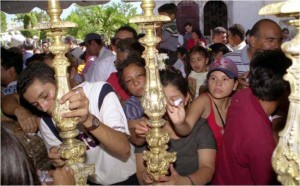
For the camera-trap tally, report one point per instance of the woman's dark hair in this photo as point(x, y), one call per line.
point(17, 167)
point(40, 71)
point(196, 49)
point(266, 75)
point(174, 77)
point(35, 58)
point(198, 32)
point(133, 58)
point(215, 48)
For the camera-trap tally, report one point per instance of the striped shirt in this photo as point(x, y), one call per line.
point(240, 57)
point(133, 108)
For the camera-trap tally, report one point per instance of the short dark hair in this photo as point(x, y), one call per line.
point(198, 32)
point(187, 24)
point(129, 44)
point(98, 41)
point(17, 168)
point(237, 29)
point(169, 8)
point(219, 47)
point(129, 29)
point(70, 38)
point(35, 58)
point(255, 30)
point(285, 29)
point(215, 48)
point(131, 59)
point(11, 59)
point(40, 71)
point(219, 30)
point(28, 44)
point(181, 50)
point(266, 74)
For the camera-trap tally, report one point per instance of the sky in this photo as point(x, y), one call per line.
point(67, 11)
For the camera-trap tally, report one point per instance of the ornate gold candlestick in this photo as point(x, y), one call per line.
point(154, 101)
point(71, 149)
point(286, 157)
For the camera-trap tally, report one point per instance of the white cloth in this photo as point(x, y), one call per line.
point(102, 67)
point(109, 170)
point(200, 79)
point(239, 47)
point(180, 66)
point(180, 40)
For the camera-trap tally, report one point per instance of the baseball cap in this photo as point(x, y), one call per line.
point(89, 37)
point(224, 65)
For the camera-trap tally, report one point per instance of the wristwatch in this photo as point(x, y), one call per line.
point(95, 124)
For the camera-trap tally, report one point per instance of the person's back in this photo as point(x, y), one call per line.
point(169, 35)
point(74, 49)
point(248, 144)
point(28, 46)
point(11, 67)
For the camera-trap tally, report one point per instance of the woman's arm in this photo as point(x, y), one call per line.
point(200, 107)
point(206, 170)
point(142, 175)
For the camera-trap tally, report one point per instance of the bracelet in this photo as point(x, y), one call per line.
point(191, 180)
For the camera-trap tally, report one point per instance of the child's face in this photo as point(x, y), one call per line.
point(172, 93)
point(220, 85)
point(198, 62)
point(134, 79)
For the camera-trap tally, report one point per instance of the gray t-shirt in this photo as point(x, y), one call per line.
point(187, 147)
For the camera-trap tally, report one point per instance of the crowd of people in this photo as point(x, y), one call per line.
point(226, 102)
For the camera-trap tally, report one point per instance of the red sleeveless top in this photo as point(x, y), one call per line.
point(216, 129)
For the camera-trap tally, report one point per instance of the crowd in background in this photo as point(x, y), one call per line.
point(227, 101)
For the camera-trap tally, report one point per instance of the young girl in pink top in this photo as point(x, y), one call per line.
point(221, 83)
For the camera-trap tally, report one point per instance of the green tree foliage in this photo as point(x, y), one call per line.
point(31, 19)
point(3, 22)
point(102, 19)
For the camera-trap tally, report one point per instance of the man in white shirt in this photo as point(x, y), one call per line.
point(103, 65)
point(102, 124)
point(236, 35)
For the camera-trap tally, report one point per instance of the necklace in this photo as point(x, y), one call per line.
point(223, 123)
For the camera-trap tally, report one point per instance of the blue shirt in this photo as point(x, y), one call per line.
point(133, 108)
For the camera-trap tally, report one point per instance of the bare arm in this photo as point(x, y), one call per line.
point(206, 170)
point(143, 177)
point(11, 106)
point(184, 123)
point(10, 103)
point(114, 142)
point(204, 174)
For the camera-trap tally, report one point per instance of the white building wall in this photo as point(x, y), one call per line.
point(244, 12)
